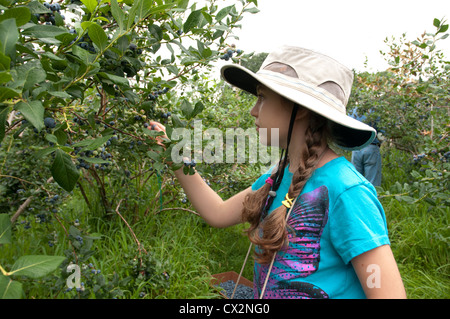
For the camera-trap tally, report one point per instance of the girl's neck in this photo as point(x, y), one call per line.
point(325, 156)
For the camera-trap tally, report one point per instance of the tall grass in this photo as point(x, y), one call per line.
point(419, 234)
point(190, 251)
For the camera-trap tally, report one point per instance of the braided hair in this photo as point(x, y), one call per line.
point(269, 231)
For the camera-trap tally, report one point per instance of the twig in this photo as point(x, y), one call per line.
point(178, 208)
point(26, 203)
point(131, 230)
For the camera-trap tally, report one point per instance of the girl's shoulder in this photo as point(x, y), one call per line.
point(340, 175)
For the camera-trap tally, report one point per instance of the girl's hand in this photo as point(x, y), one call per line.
point(156, 126)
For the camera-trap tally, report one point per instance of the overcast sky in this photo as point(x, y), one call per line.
point(347, 30)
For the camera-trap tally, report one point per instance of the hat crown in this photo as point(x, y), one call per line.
point(312, 67)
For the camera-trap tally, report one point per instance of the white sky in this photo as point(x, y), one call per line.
point(348, 30)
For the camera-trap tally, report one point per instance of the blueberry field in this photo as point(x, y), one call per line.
point(89, 204)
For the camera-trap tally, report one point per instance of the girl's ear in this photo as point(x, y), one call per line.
point(301, 113)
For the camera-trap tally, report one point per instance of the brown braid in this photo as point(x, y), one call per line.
point(271, 234)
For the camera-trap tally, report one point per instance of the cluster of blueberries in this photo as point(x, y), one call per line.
point(227, 56)
point(189, 163)
point(99, 153)
point(50, 18)
point(133, 47)
point(242, 291)
point(154, 95)
point(418, 158)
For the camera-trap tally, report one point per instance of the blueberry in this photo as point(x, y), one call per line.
point(49, 122)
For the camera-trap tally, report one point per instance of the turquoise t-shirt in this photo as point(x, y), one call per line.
point(336, 218)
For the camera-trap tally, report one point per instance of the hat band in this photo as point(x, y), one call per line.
point(304, 88)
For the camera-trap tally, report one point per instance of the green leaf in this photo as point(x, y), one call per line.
point(44, 152)
point(90, 4)
point(5, 62)
point(443, 29)
point(33, 112)
point(94, 160)
point(84, 55)
point(187, 109)
point(139, 11)
point(223, 13)
point(192, 21)
point(5, 229)
point(36, 266)
point(117, 13)
point(7, 93)
point(64, 171)
point(21, 14)
point(197, 109)
point(97, 34)
point(121, 81)
point(4, 111)
point(43, 31)
point(60, 94)
point(8, 36)
point(10, 289)
point(28, 75)
point(51, 138)
point(37, 7)
point(5, 76)
point(92, 144)
point(436, 23)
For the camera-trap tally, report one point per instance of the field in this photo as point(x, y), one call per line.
point(189, 251)
point(89, 206)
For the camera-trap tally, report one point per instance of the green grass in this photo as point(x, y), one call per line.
point(190, 251)
point(419, 235)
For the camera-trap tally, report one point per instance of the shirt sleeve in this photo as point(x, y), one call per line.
point(358, 222)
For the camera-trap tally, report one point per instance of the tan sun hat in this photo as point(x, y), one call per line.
point(314, 81)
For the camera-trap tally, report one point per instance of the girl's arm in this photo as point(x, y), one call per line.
point(378, 273)
point(215, 211)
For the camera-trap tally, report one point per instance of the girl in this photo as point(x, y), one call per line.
point(318, 227)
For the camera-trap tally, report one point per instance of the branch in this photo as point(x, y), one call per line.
point(179, 208)
point(131, 230)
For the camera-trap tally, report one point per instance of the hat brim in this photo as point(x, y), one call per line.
point(348, 132)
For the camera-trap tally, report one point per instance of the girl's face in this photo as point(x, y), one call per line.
point(272, 112)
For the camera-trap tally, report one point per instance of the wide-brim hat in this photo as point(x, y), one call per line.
point(314, 71)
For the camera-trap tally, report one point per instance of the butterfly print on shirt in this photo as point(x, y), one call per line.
point(308, 217)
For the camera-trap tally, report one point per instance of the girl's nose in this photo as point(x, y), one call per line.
point(254, 111)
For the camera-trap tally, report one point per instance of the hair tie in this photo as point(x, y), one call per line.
point(269, 181)
point(288, 201)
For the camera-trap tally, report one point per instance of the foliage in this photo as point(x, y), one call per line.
point(409, 102)
point(82, 92)
point(83, 181)
point(31, 266)
point(79, 82)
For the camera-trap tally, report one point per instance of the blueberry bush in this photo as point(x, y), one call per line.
point(410, 103)
point(84, 182)
point(79, 83)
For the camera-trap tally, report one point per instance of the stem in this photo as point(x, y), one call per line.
point(4, 272)
point(131, 230)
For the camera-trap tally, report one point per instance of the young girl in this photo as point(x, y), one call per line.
point(318, 227)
